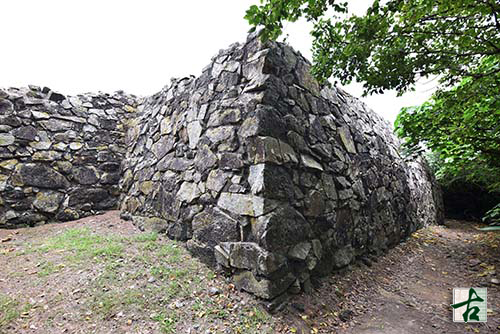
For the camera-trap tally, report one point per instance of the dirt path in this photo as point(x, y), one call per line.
point(102, 275)
point(417, 296)
point(409, 290)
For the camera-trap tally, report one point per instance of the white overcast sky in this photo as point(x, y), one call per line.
point(77, 46)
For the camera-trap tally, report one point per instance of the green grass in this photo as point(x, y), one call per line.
point(167, 272)
point(10, 310)
point(47, 268)
point(106, 304)
point(259, 316)
point(171, 252)
point(112, 292)
point(122, 268)
point(149, 236)
point(84, 245)
point(167, 323)
point(197, 306)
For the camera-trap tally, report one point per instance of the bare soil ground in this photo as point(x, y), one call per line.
point(102, 275)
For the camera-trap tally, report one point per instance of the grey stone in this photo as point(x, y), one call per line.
point(146, 187)
point(243, 255)
point(46, 156)
point(228, 116)
point(6, 139)
point(288, 153)
point(9, 164)
point(67, 215)
point(188, 192)
point(75, 146)
point(249, 128)
point(310, 162)
point(5, 128)
point(41, 145)
point(317, 248)
point(48, 201)
point(85, 175)
point(306, 79)
point(246, 205)
point(194, 130)
point(39, 115)
point(343, 256)
point(98, 198)
point(212, 227)
point(263, 288)
point(345, 136)
point(216, 180)
point(256, 178)
point(177, 164)
point(329, 186)
point(56, 125)
point(26, 133)
point(300, 251)
point(220, 134)
point(110, 178)
point(264, 149)
point(281, 228)
point(205, 158)
point(230, 161)
point(221, 256)
point(163, 146)
point(64, 166)
point(345, 194)
point(38, 175)
point(315, 204)
point(150, 224)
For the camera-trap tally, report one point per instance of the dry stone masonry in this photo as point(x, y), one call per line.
point(268, 175)
point(60, 157)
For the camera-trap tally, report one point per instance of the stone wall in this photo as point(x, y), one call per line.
point(269, 175)
point(59, 156)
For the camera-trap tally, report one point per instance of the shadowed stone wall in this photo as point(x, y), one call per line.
point(59, 156)
point(269, 175)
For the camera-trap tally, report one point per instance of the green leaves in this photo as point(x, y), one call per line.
point(461, 125)
point(492, 217)
point(394, 44)
point(271, 14)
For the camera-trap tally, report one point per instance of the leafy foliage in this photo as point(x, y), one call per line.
point(393, 44)
point(271, 14)
point(492, 217)
point(462, 125)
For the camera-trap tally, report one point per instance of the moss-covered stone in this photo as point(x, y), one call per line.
point(48, 201)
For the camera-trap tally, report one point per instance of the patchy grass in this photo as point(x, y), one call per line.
point(90, 277)
point(82, 244)
point(147, 236)
point(167, 323)
point(10, 310)
point(47, 268)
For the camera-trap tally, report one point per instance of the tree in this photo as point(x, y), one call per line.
point(400, 41)
point(462, 125)
point(394, 44)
